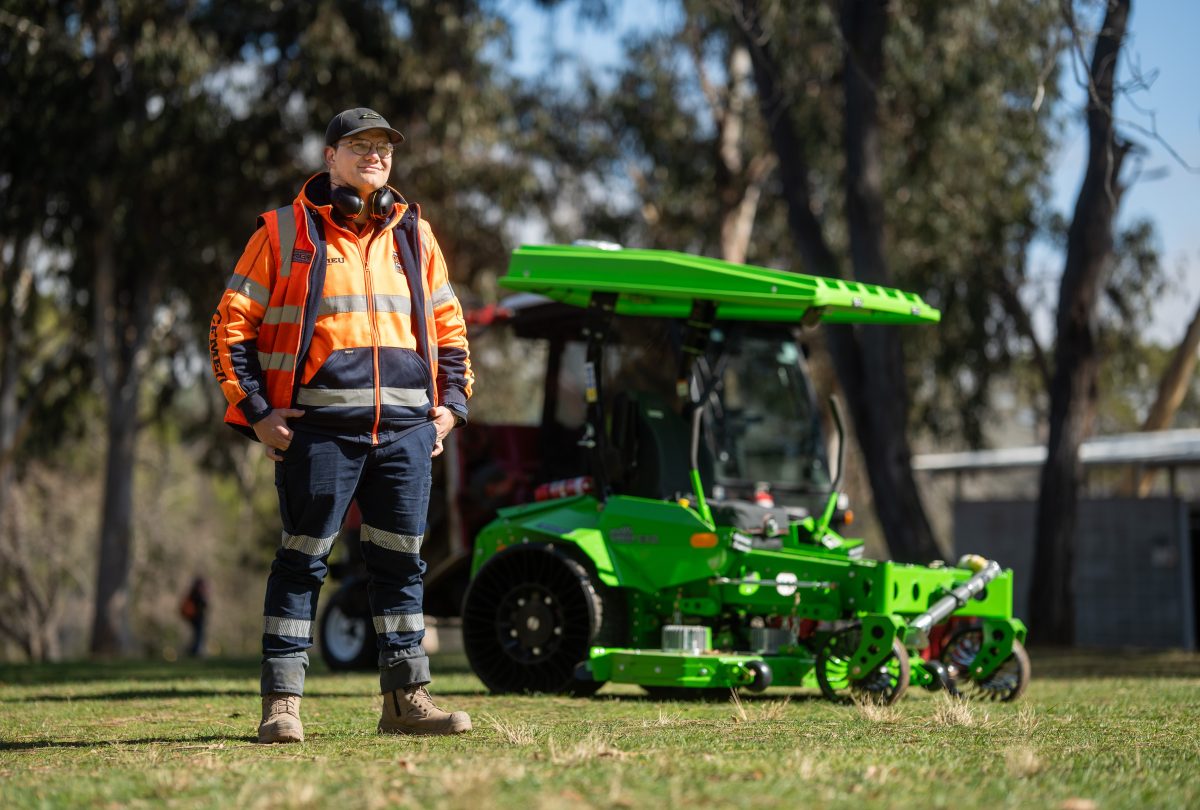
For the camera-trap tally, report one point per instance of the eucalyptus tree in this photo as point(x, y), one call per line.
point(175, 123)
point(901, 143)
point(911, 142)
point(1077, 354)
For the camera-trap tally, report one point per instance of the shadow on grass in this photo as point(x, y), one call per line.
point(126, 670)
point(181, 742)
point(141, 669)
point(164, 694)
point(682, 695)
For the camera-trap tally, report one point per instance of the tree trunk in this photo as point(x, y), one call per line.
point(124, 307)
point(1172, 388)
point(740, 186)
point(883, 431)
point(1175, 380)
point(1076, 357)
point(868, 360)
point(14, 292)
point(110, 632)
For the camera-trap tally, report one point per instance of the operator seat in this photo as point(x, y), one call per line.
point(653, 448)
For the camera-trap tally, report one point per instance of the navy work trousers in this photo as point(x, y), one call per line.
point(316, 481)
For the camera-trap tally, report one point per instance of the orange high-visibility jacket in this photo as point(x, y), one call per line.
point(365, 334)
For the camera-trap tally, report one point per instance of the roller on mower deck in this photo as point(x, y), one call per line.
point(706, 551)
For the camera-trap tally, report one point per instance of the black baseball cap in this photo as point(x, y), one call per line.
point(359, 119)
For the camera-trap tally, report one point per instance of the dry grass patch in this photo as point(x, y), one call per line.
point(1027, 721)
point(665, 719)
point(803, 765)
point(765, 712)
point(952, 711)
point(1078, 803)
point(875, 712)
point(512, 733)
point(740, 715)
point(773, 710)
point(1023, 761)
point(878, 774)
point(477, 786)
point(592, 747)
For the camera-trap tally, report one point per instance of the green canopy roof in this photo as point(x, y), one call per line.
point(663, 283)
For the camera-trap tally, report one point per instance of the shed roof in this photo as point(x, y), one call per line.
point(1164, 448)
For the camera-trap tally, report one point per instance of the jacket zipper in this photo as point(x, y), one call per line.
point(363, 255)
point(430, 326)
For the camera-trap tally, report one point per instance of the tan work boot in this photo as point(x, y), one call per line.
point(280, 719)
point(411, 711)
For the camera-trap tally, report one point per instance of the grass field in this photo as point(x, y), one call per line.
point(1094, 730)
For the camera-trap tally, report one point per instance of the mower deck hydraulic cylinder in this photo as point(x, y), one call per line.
point(917, 634)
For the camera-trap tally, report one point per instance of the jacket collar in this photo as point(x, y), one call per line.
point(315, 194)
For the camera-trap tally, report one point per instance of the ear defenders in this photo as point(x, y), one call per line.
point(349, 205)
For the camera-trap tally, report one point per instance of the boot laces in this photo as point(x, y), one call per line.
point(286, 704)
point(421, 700)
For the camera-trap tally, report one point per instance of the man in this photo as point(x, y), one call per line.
point(341, 346)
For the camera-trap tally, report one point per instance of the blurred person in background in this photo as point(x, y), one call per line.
point(194, 610)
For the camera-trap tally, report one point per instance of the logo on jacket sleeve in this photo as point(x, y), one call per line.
point(304, 256)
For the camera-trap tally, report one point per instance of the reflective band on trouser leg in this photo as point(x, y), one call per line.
point(292, 588)
point(394, 562)
point(399, 623)
point(394, 498)
point(292, 628)
point(315, 486)
point(408, 543)
point(311, 546)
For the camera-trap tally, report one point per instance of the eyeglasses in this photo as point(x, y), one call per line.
point(364, 148)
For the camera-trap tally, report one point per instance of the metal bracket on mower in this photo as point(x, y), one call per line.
point(878, 633)
point(670, 668)
point(996, 646)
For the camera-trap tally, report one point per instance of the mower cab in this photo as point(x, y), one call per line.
point(701, 545)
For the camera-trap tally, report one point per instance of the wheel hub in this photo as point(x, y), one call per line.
point(534, 624)
point(530, 623)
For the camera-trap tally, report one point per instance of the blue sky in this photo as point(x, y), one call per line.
point(1165, 41)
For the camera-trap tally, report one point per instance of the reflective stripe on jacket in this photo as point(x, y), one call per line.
point(344, 331)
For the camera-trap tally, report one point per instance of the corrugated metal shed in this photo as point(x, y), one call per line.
point(1164, 448)
point(1136, 571)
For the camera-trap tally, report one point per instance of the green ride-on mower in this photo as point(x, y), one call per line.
point(701, 548)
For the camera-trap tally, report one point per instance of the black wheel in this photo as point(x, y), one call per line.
point(885, 684)
point(762, 676)
point(1007, 683)
point(530, 615)
point(940, 678)
point(346, 632)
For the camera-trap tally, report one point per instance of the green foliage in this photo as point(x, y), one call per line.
point(970, 130)
point(968, 123)
point(641, 157)
point(1132, 374)
point(187, 120)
